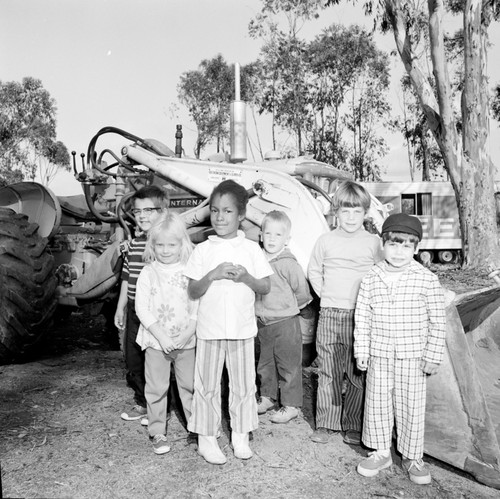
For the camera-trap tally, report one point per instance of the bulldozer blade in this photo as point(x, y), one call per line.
point(463, 399)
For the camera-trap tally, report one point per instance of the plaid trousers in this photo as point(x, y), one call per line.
point(395, 390)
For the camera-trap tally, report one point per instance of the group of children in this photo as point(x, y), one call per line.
point(380, 312)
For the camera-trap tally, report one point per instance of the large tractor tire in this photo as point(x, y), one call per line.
point(27, 286)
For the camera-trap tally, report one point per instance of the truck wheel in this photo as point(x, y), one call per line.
point(425, 257)
point(447, 256)
point(27, 285)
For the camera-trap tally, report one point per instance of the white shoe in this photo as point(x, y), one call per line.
point(135, 413)
point(144, 421)
point(240, 445)
point(160, 445)
point(284, 415)
point(264, 405)
point(209, 450)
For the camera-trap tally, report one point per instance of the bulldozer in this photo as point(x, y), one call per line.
point(64, 252)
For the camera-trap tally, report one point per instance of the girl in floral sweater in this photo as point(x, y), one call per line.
point(168, 323)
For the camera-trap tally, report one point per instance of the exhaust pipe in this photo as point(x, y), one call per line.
point(238, 122)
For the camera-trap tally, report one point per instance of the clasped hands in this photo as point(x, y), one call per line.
point(231, 271)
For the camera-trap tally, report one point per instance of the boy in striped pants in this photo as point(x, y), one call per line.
point(339, 261)
point(399, 339)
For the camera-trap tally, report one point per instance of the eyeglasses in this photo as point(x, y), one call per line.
point(146, 211)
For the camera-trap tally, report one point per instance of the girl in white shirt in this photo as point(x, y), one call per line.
point(225, 272)
point(168, 323)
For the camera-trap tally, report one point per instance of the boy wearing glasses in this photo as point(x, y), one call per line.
point(148, 205)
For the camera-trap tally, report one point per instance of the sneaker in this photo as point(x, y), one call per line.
point(285, 414)
point(144, 421)
point(137, 412)
point(417, 471)
point(320, 435)
point(264, 405)
point(160, 444)
point(352, 437)
point(375, 462)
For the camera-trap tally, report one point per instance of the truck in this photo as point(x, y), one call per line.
point(65, 252)
point(435, 205)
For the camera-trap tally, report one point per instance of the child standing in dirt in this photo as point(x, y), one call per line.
point(225, 272)
point(399, 338)
point(168, 323)
point(148, 205)
point(278, 322)
point(338, 262)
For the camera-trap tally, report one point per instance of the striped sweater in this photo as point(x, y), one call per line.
point(133, 264)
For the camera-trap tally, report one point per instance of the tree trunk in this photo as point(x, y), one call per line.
point(425, 155)
point(467, 160)
point(476, 176)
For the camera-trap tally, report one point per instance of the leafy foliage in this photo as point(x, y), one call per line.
point(422, 150)
point(55, 157)
point(207, 93)
point(329, 93)
point(350, 84)
point(27, 130)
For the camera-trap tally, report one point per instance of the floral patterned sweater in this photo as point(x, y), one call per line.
point(162, 296)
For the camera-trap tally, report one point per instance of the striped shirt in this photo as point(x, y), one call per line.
point(133, 264)
point(404, 319)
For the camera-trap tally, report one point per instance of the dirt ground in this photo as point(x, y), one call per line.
point(62, 437)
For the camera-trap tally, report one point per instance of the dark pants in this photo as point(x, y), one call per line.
point(134, 356)
point(280, 361)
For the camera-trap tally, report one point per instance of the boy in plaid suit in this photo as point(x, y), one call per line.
point(399, 338)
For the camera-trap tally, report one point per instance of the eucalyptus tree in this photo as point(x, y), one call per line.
point(207, 93)
point(465, 147)
point(54, 158)
point(423, 152)
point(284, 63)
point(27, 130)
point(350, 81)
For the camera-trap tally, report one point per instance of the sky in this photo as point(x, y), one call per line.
point(118, 63)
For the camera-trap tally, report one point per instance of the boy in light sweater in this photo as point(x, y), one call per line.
point(339, 261)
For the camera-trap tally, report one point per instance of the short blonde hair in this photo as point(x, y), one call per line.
point(173, 224)
point(351, 195)
point(278, 216)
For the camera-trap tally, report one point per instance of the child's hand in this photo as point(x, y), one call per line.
point(225, 270)
point(429, 367)
point(119, 318)
point(186, 335)
point(362, 363)
point(167, 345)
point(240, 273)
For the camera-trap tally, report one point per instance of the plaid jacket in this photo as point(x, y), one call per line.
point(409, 323)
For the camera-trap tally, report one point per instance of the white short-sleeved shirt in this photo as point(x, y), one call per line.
point(226, 310)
